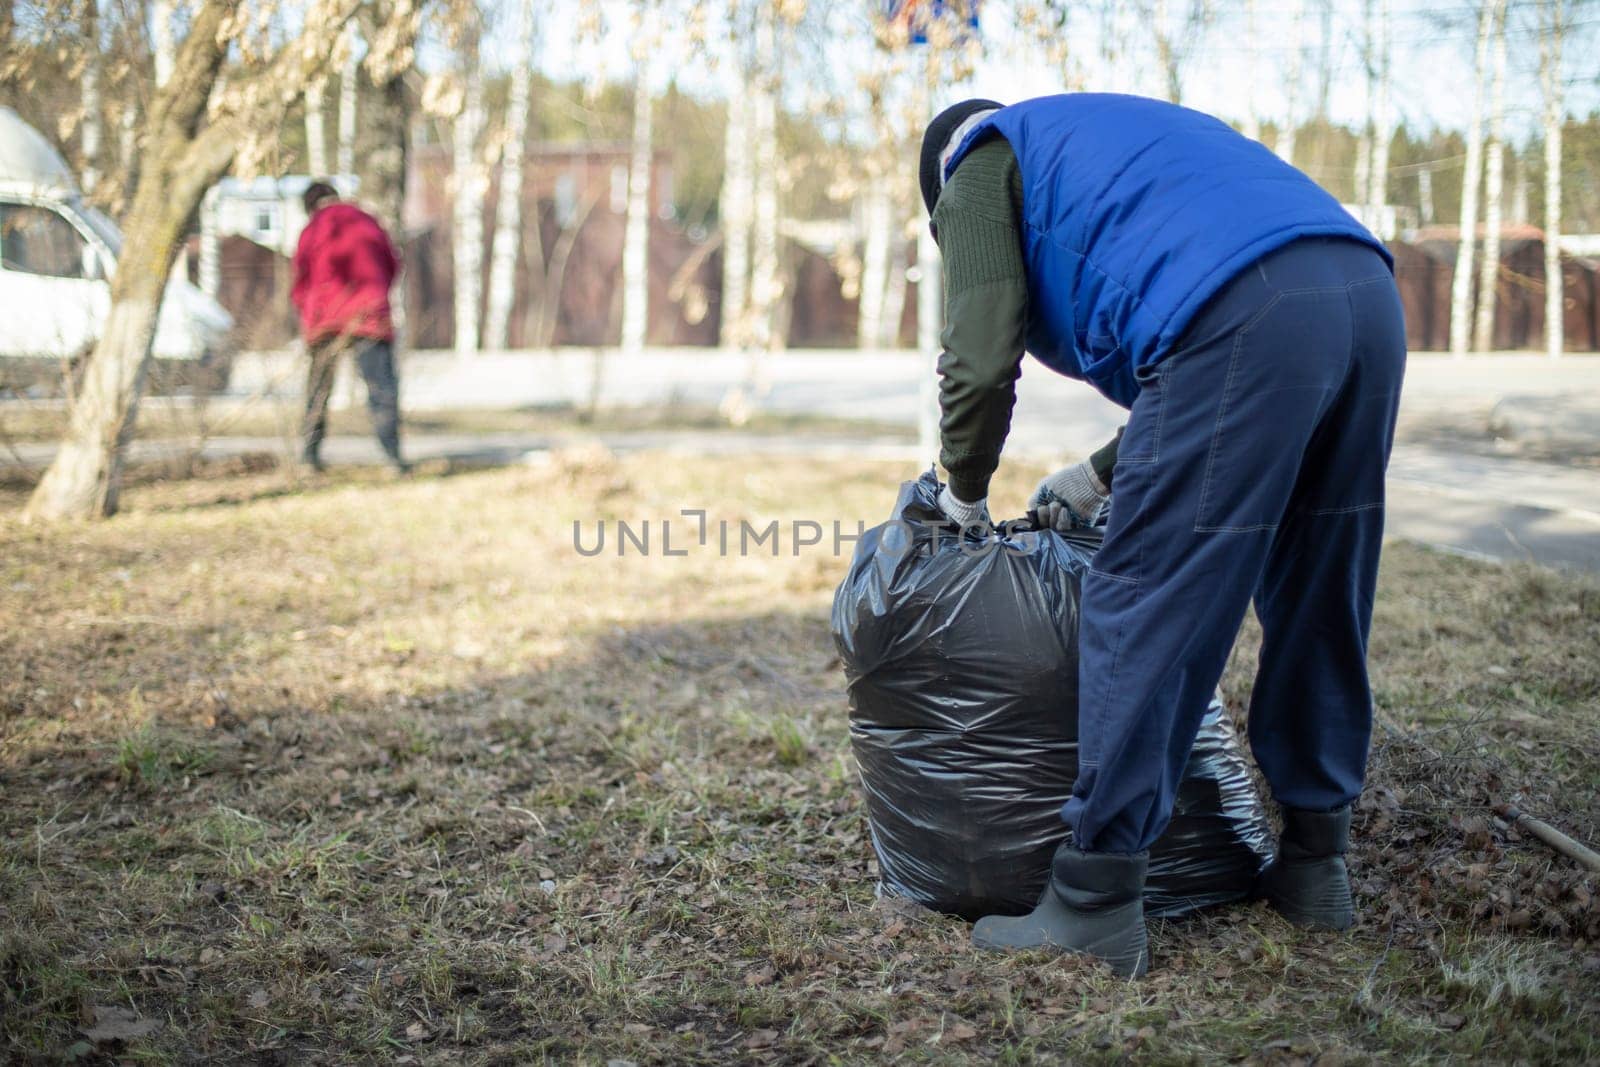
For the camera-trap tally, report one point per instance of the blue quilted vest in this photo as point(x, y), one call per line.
point(1135, 213)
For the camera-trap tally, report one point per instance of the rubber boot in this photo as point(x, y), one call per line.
point(1308, 883)
point(1093, 904)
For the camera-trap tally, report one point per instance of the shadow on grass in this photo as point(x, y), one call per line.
point(191, 483)
point(649, 847)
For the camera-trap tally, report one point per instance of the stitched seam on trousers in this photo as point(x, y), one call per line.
point(1346, 287)
point(1111, 679)
point(1123, 578)
point(1351, 510)
point(1291, 292)
point(1205, 488)
point(1222, 408)
point(1161, 417)
point(1350, 359)
point(1161, 414)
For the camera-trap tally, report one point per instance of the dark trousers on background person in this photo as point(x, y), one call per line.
point(375, 360)
point(1252, 468)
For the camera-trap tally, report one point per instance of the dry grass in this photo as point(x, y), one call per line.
point(389, 772)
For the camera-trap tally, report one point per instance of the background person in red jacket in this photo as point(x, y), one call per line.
point(343, 268)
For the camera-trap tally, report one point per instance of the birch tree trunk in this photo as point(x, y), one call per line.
point(547, 309)
point(1369, 71)
point(636, 235)
point(1325, 58)
point(83, 480)
point(1252, 58)
point(1461, 283)
point(1551, 41)
point(346, 161)
point(1363, 176)
point(316, 132)
point(1494, 193)
point(161, 41)
point(894, 300)
point(735, 211)
point(1382, 131)
point(764, 281)
point(1167, 54)
point(128, 149)
point(1518, 214)
point(1176, 39)
point(508, 212)
point(878, 222)
point(467, 219)
point(1291, 88)
point(90, 97)
point(210, 272)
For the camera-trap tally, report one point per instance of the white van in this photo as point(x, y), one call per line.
point(56, 256)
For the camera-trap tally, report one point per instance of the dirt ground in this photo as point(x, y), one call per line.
point(361, 770)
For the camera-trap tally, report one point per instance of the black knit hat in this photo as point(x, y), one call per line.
point(316, 194)
point(937, 136)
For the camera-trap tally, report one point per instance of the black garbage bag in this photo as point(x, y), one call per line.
point(962, 662)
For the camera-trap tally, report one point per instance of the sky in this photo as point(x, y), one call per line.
point(1432, 58)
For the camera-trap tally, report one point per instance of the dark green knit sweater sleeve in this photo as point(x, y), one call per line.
point(986, 313)
point(1104, 461)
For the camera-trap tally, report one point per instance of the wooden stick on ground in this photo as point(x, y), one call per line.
point(1550, 836)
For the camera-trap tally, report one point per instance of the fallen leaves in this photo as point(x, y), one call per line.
point(761, 1039)
point(110, 1023)
point(956, 1032)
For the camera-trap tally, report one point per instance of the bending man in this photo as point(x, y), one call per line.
point(1254, 331)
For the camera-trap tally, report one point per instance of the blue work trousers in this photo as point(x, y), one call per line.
point(1252, 467)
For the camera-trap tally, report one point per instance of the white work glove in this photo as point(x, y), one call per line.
point(961, 513)
point(1069, 499)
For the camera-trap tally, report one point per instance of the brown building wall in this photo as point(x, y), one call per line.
point(579, 265)
point(1425, 270)
point(686, 273)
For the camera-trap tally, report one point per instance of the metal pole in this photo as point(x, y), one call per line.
point(930, 315)
point(930, 308)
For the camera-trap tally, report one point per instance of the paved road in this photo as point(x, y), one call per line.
point(1480, 505)
point(1488, 507)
